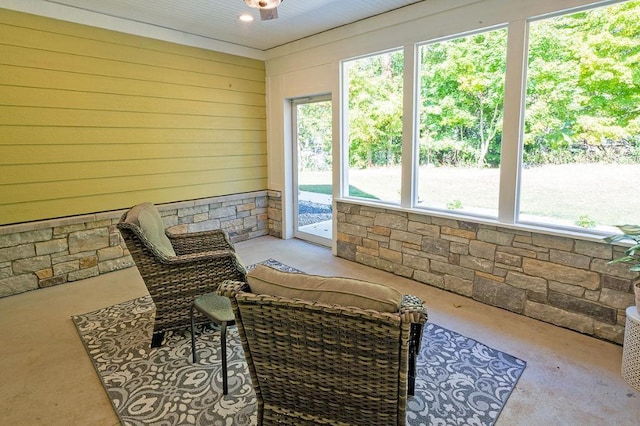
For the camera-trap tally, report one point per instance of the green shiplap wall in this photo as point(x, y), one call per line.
point(94, 120)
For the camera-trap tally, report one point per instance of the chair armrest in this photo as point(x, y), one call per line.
point(413, 310)
point(194, 242)
point(230, 288)
point(203, 257)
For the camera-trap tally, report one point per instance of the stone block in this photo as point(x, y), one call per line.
point(425, 229)
point(374, 262)
point(18, 284)
point(421, 218)
point(391, 255)
point(381, 230)
point(476, 263)
point(347, 228)
point(499, 294)
point(371, 244)
point(516, 251)
point(569, 259)
point(508, 259)
point(482, 249)
point(561, 273)
point(360, 220)
point(68, 229)
point(614, 283)
point(458, 285)
point(83, 274)
point(206, 225)
point(27, 237)
point(346, 250)
point(392, 221)
point(592, 249)
point(115, 264)
point(571, 290)
point(247, 206)
point(224, 212)
point(44, 273)
point(552, 242)
point(435, 246)
point(402, 271)
point(350, 239)
point(406, 237)
point(458, 248)
point(66, 267)
point(495, 237)
point(526, 282)
point(109, 253)
point(612, 333)
point(21, 251)
point(620, 270)
point(583, 307)
point(88, 262)
point(415, 262)
point(448, 269)
point(442, 221)
point(616, 299)
point(50, 282)
point(31, 264)
point(457, 232)
point(553, 315)
point(88, 240)
point(435, 280)
point(368, 251)
point(52, 246)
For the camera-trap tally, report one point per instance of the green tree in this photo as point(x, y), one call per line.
point(462, 91)
point(583, 83)
point(375, 110)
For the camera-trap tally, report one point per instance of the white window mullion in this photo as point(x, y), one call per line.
point(409, 128)
point(514, 96)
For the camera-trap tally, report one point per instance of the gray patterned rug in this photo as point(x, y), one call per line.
point(459, 380)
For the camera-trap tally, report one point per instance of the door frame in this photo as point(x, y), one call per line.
point(297, 233)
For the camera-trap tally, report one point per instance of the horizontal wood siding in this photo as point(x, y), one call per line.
point(94, 120)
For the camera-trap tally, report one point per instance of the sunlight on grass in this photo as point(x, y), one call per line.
point(563, 193)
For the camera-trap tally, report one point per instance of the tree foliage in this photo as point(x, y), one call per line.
point(582, 95)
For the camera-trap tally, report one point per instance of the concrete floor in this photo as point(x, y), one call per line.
point(47, 378)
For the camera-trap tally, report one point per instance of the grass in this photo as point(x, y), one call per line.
point(571, 194)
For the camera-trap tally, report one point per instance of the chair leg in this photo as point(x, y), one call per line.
point(193, 337)
point(414, 348)
point(156, 340)
point(223, 345)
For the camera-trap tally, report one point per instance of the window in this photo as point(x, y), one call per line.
point(374, 90)
point(460, 122)
point(582, 128)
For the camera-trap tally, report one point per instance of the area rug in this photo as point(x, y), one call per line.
point(459, 380)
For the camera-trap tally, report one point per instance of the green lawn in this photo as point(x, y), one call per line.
point(605, 193)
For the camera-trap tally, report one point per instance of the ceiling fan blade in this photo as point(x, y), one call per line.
point(267, 14)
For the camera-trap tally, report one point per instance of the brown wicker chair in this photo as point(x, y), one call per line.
point(177, 268)
point(317, 363)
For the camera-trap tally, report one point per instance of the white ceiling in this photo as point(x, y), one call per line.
point(217, 20)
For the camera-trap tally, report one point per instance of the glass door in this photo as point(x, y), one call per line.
point(312, 176)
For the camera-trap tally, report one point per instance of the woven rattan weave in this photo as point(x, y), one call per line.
point(203, 260)
point(317, 364)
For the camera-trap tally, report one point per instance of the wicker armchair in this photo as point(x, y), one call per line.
point(319, 363)
point(176, 268)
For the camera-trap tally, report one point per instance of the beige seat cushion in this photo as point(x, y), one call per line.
point(329, 290)
point(147, 217)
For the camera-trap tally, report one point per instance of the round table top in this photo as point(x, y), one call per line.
point(632, 313)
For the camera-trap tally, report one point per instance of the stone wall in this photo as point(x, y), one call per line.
point(561, 280)
point(46, 253)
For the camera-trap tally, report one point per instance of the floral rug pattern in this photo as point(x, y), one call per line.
point(459, 381)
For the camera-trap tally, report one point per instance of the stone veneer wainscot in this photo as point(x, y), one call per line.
point(51, 252)
point(561, 280)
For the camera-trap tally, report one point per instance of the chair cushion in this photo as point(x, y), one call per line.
point(329, 290)
point(147, 217)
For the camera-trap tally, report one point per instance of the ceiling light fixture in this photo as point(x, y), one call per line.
point(263, 4)
point(245, 17)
